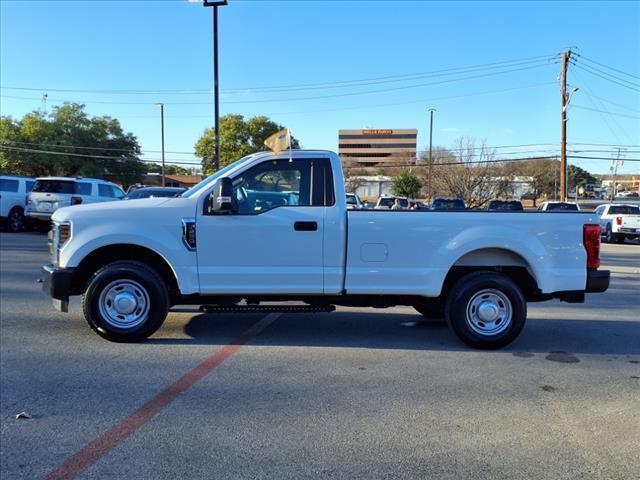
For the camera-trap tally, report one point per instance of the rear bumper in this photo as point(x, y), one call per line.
point(39, 215)
point(597, 280)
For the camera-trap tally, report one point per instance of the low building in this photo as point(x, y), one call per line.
point(371, 187)
point(185, 181)
point(373, 147)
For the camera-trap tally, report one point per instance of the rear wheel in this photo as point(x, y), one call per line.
point(125, 301)
point(15, 220)
point(608, 234)
point(486, 310)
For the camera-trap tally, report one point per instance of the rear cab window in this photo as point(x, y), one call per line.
point(569, 207)
point(62, 186)
point(624, 210)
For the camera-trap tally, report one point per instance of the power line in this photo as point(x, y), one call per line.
point(635, 117)
point(56, 145)
point(606, 66)
point(317, 97)
point(605, 158)
point(102, 157)
point(619, 105)
point(604, 72)
point(588, 70)
point(360, 107)
point(308, 86)
point(600, 104)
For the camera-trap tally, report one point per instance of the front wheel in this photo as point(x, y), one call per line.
point(125, 301)
point(486, 310)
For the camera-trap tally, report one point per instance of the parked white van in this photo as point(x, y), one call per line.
point(50, 193)
point(13, 193)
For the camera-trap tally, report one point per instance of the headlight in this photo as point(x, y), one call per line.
point(59, 236)
point(64, 233)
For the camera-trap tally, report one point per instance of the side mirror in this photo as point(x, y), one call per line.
point(220, 200)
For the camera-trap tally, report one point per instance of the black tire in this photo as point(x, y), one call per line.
point(15, 220)
point(43, 226)
point(463, 299)
point(431, 309)
point(146, 286)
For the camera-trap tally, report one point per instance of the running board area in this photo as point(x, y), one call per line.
point(262, 309)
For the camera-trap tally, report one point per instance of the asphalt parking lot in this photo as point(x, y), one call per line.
point(353, 394)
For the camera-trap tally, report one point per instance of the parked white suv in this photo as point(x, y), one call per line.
point(354, 202)
point(13, 192)
point(619, 221)
point(50, 193)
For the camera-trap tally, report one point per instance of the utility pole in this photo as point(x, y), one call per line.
point(162, 137)
point(563, 139)
point(216, 102)
point(614, 170)
point(431, 110)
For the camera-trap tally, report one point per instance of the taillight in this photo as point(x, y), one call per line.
point(76, 200)
point(591, 242)
point(618, 220)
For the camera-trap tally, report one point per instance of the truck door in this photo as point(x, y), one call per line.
point(272, 242)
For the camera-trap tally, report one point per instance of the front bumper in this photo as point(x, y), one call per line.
point(56, 282)
point(597, 280)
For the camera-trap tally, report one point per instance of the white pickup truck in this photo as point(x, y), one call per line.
point(619, 221)
point(269, 229)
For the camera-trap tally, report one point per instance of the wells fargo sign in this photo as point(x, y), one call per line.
point(377, 132)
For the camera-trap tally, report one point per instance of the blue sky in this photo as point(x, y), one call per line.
point(166, 45)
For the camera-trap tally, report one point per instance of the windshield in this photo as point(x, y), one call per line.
point(213, 177)
point(154, 192)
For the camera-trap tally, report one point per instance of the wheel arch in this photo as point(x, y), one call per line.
point(125, 251)
point(496, 260)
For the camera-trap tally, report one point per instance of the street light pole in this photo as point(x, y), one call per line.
point(162, 137)
point(431, 110)
point(216, 102)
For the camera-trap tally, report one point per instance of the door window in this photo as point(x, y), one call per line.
point(105, 190)
point(273, 184)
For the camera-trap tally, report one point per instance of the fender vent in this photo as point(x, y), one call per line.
point(189, 233)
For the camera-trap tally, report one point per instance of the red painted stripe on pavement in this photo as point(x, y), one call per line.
point(102, 445)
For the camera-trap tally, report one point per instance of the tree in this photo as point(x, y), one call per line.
point(578, 177)
point(68, 142)
point(238, 137)
point(406, 184)
point(544, 174)
point(168, 169)
point(470, 173)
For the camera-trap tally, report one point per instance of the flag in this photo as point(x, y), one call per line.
point(279, 141)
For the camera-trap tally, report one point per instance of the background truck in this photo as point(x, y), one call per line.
point(619, 222)
point(270, 229)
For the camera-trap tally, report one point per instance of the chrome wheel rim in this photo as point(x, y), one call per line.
point(489, 312)
point(124, 304)
point(16, 221)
